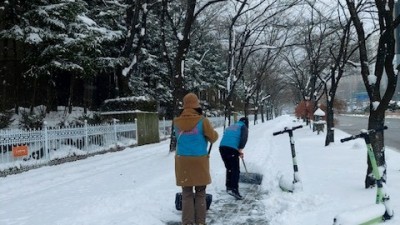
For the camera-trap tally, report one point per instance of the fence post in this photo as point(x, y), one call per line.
point(115, 130)
point(46, 141)
point(136, 131)
point(165, 128)
point(86, 136)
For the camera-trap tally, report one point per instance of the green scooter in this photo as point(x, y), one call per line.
point(381, 210)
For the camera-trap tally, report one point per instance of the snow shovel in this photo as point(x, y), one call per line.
point(178, 196)
point(381, 210)
point(178, 201)
point(285, 185)
point(250, 178)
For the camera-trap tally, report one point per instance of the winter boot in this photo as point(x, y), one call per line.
point(236, 194)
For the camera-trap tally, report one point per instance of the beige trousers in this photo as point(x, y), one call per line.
point(194, 208)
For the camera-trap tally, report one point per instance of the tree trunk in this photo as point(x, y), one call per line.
point(330, 132)
point(262, 112)
point(178, 81)
point(246, 107)
point(32, 104)
point(87, 94)
point(228, 111)
point(376, 120)
point(71, 93)
point(51, 103)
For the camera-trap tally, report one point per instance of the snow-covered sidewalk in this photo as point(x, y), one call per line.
point(137, 185)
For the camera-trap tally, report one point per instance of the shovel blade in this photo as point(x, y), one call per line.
point(251, 178)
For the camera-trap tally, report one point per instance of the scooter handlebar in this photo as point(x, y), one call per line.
point(287, 130)
point(277, 133)
point(294, 128)
point(363, 133)
point(349, 138)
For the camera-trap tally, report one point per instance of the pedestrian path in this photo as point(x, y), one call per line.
point(225, 209)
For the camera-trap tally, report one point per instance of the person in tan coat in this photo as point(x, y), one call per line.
point(192, 169)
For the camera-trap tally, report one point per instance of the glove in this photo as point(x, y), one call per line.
point(241, 154)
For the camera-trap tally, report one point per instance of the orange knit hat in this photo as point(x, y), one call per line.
point(190, 101)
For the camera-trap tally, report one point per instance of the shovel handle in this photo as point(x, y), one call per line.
point(244, 164)
point(209, 149)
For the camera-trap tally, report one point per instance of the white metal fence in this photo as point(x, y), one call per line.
point(41, 146)
point(49, 143)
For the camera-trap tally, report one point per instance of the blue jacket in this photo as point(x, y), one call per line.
point(193, 142)
point(235, 136)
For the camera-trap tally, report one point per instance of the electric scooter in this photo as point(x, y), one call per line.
point(381, 210)
point(285, 185)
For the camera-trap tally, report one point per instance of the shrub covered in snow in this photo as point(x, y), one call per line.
point(5, 119)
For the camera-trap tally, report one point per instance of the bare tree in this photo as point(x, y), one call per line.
point(246, 28)
point(341, 52)
point(182, 31)
point(319, 35)
point(262, 67)
point(308, 58)
point(379, 96)
point(296, 74)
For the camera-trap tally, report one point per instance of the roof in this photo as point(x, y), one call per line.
point(319, 112)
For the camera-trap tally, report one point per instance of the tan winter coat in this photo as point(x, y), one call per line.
point(192, 170)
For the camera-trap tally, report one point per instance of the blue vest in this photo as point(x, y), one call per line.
point(193, 142)
point(231, 137)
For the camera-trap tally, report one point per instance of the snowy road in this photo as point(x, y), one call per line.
point(353, 124)
point(137, 186)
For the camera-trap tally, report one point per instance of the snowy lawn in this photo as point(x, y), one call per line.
point(137, 185)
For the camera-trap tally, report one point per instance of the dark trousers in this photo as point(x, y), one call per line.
point(230, 156)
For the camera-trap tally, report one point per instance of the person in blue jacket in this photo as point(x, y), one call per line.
point(231, 149)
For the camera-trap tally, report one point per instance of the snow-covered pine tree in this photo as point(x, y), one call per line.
point(150, 78)
point(110, 19)
point(60, 41)
point(110, 16)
